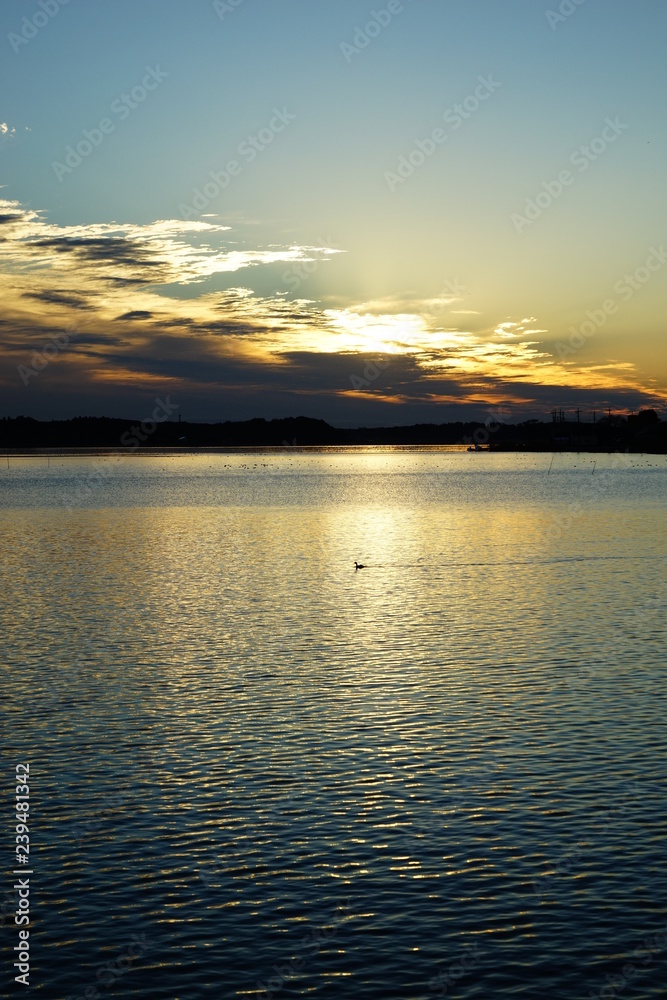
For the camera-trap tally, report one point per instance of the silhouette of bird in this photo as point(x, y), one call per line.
point(358, 565)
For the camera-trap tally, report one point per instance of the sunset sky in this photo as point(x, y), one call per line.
point(372, 213)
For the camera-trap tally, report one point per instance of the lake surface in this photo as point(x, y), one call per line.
point(256, 772)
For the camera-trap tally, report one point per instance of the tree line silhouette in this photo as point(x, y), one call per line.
point(640, 432)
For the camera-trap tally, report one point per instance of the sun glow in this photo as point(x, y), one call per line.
point(365, 333)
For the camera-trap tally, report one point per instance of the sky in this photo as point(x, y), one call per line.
point(371, 213)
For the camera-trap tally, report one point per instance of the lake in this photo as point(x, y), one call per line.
point(257, 772)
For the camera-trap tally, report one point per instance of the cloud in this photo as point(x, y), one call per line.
point(59, 299)
point(179, 330)
point(135, 314)
point(9, 132)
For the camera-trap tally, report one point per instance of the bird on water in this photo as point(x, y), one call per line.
point(358, 565)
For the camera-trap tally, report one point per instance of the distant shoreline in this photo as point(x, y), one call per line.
point(145, 452)
point(638, 433)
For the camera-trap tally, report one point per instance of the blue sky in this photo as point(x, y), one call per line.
point(443, 268)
